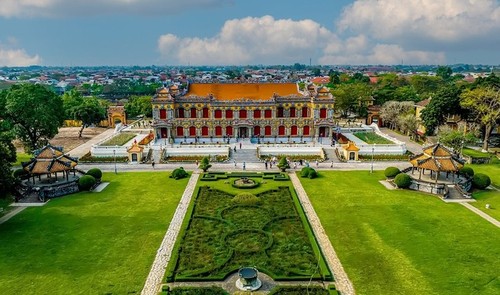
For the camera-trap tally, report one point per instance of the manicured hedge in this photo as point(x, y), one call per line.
point(19, 173)
point(391, 172)
point(402, 180)
point(197, 291)
point(467, 171)
point(96, 172)
point(481, 181)
point(179, 173)
point(299, 290)
point(86, 182)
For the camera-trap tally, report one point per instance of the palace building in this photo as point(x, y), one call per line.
point(219, 112)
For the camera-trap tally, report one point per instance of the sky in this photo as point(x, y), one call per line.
point(248, 32)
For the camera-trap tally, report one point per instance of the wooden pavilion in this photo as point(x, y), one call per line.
point(437, 159)
point(50, 160)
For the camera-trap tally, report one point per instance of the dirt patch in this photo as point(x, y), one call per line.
point(68, 137)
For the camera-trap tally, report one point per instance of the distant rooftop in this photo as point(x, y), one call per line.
point(253, 91)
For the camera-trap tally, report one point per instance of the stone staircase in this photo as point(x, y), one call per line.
point(330, 154)
point(454, 193)
point(247, 153)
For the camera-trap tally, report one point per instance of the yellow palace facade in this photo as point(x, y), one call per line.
point(223, 112)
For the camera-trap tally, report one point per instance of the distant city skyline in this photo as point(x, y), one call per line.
point(232, 32)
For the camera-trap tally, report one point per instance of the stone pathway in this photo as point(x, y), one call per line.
point(100, 187)
point(157, 272)
point(387, 185)
point(482, 214)
point(11, 214)
point(82, 149)
point(342, 281)
point(410, 145)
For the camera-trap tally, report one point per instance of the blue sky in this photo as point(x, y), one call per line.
point(234, 32)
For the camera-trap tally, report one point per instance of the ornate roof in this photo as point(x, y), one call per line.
point(437, 158)
point(252, 91)
point(49, 159)
point(351, 146)
point(135, 148)
point(162, 94)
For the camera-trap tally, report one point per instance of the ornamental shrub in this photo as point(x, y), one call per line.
point(283, 164)
point(198, 291)
point(481, 181)
point(305, 171)
point(402, 180)
point(86, 182)
point(246, 199)
point(466, 171)
point(179, 173)
point(96, 172)
point(312, 174)
point(18, 173)
point(391, 172)
point(205, 164)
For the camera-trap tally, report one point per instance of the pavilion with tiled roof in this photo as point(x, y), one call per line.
point(50, 160)
point(437, 159)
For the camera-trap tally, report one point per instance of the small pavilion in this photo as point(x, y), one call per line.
point(351, 151)
point(437, 159)
point(50, 160)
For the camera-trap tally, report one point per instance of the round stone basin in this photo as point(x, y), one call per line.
point(248, 280)
point(248, 273)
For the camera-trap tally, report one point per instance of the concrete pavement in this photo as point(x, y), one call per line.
point(410, 145)
point(82, 149)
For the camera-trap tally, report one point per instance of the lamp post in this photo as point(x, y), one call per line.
point(114, 157)
point(371, 166)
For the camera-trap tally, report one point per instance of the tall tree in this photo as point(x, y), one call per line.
point(455, 138)
point(392, 110)
point(484, 103)
point(90, 112)
point(36, 114)
point(445, 102)
point(351, 98)
point(139, 105)
point(444, 72)
point(7, 151)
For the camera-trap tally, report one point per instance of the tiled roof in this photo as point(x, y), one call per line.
point(424, 102)
point(49, 160)
point(437, 150)
point(436, 158)
point(351, 146)
point(253, 91)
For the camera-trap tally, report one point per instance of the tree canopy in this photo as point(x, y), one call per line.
point(445, 102)
point(139, 105)
point(7, 157)
point(35, 112)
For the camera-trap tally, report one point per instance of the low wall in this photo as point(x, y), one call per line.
point(398, 148)
point(275, 151)
point(107, 151)
point(197, 151)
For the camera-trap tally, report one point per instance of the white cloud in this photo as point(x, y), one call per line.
point(439, 21)
point(62, 8)
point(17, 57)
point(267, 40)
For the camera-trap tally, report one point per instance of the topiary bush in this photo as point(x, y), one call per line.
point(205, 164)
point(86, 182)
point(18, 173)
point(305, 171)
point(179, 173)
point(481, 181)
point(247, 199)
point(402, 180)
point(466, 171)
point(96, 172)
point(312, 174)
point(283, 164)
point(391, 172)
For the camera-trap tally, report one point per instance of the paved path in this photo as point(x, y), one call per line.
point(342, 281)
point(11, 214)
point(410, 145)
point(482, 214)
point(155, 277)
point(82, 149)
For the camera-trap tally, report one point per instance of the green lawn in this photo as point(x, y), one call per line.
point(475, 153)
point(21, 157)
point(404, 242)
point(372, 138)
point(492, 170)
point(119, 139)
point(491, 197)
point(90, 243)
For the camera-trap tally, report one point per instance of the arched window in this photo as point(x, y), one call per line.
point(163, 114)
point(256, 130)
point(229, 130)
point(292, 112)
point(192, 131)
point(180, 113)
point(193, 113)
point(243, 114)
point(256, 114)
point(304, 112)
point(293, 130)
point(229, 114)
point(279, 112)
point(205, 113)
point(218, 114)
point(322, 113)
point(268, 114)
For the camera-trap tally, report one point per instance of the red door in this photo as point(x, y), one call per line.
point(256, 130)
point(180, 112)
point(163, 114)
point(180, 131)
point(292, 112)
point(305, 132)
point(304, 112)
point(205, 112)
point(267, 130)
point(163, 132)
point(322, 113)
point(193, 113)
point(229, 114)
point(192, 131)
point(268, 113)
point(204, 131)
point(256, 114)
point(281, 130)
point(218, 114)
point(293, 131)
point(218, 131)
point(229, 130)
point(243, 114)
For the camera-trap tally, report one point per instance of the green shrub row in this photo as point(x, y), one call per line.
point(301, 290)
point(194, 291)
point(213, 176)
point(404, 157)
point(391, 172)
point(87, 158)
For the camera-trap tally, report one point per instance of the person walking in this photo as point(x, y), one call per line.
point(234, 161)
point(244, 165)
point(240, 145)
point(153, 164)
point(265, 164)
point(317, 163)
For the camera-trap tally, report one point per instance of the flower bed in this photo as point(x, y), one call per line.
point(405, 157)
point(88, 158)
point(372, 138)
point(218, 158)
point(293, 157)
point(119, 139)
